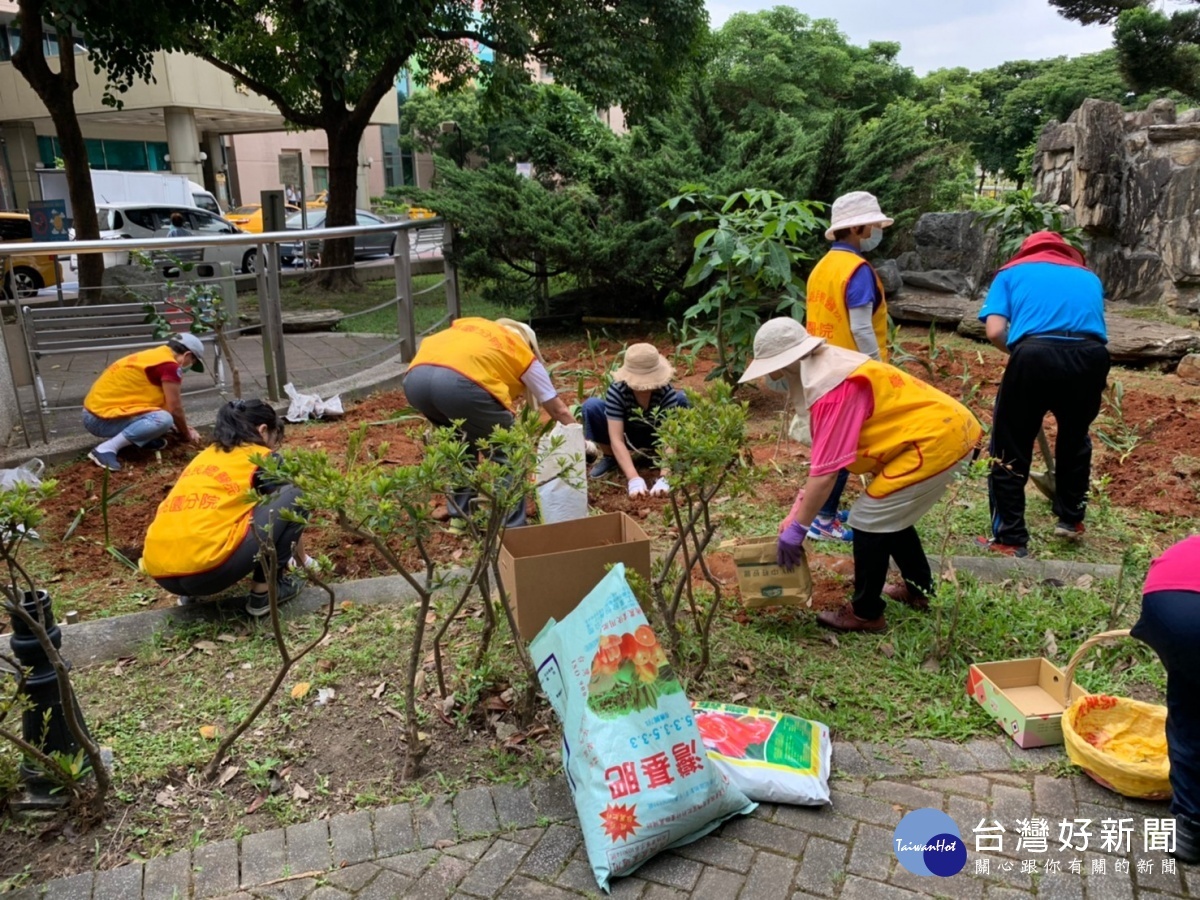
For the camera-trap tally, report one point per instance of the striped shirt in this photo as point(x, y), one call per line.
point(620, 405)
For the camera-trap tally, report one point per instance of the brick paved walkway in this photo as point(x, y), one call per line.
point(524, 842)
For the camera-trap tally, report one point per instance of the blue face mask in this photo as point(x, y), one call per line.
point(873, 241)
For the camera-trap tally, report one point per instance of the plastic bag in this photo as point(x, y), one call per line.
point(310, 406)
point(29, 472)
point(562, 499)
point(1120, 743)
point(633, 755)
point(772, 757)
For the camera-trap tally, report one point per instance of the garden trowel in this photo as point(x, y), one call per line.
point(1044, 481)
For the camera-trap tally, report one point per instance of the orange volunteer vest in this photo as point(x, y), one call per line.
point(827, 314)
point(206, 515)
point(489, 354)
point(914, 433)
point(123, 389)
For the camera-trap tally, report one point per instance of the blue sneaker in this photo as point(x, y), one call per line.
point(603, 466)
point(829, 531)
point(156, 444)
point(105, 460)
point(844, 516)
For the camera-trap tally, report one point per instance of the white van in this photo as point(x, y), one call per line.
point(148, 220)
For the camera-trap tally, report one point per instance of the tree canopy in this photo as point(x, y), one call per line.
point(1157, 49)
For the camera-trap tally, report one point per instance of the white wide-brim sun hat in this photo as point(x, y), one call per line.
point(777, 344)
point(853, 209)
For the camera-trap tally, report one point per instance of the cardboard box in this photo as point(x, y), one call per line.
point(548, 569)
point(1025, 697)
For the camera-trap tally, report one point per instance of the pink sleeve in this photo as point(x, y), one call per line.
point(837, 418)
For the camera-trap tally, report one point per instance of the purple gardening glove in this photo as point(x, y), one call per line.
point(790, 550)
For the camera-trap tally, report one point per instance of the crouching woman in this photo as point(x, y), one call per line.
point(205, 536)
point(870, 418)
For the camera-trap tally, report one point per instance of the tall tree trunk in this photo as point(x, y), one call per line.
point(337, 257)
point(57, 92)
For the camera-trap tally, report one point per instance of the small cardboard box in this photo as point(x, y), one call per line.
point(1025, 697)
point(548, 569)
point(763, 582)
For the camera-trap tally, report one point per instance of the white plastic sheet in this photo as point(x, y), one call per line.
point(310, 406)
point(563, 499)
point(29, 472)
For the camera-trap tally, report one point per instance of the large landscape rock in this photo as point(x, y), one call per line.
point(1132, 182)
point(914, 306)
point(889, 274)
point(1189, 368)
point(946, 281)
point(1129, 340)
point(303, 321)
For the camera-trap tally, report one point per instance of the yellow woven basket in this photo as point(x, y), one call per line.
point(1120, 743)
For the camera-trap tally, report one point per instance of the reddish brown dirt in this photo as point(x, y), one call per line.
point(1160, 475)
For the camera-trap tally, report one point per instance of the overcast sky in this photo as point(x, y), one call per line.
point(937, 34)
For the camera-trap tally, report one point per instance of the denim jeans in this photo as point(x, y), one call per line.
point(830, 509)
point(640, 433)
point(137, 430)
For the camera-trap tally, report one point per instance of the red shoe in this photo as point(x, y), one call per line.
point(1007, 549)
point(902, 593)
point(844, 619)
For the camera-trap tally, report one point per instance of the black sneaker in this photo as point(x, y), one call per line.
point(1187, 840)
point(156, 444)
point(260, 604)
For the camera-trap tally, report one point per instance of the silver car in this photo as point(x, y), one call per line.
point(146, 220)
point(366, 246)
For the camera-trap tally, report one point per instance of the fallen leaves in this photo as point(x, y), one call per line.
point(209, 732)
point(300, 690)
point(227, 775)
point(1050, 643)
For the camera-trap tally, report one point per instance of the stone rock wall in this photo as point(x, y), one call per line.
point(1132, 182)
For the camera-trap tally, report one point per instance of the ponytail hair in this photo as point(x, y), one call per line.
point(238, 422)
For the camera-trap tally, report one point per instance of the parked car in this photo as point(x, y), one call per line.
point(366, 246)
point(250, 217)
point(141, 220)
point(32, 272)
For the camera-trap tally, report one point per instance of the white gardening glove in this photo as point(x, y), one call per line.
point(637, 487)
point(660, 489)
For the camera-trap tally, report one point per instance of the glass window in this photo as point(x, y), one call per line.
point(95, 152)
point(320, 177)
point(204, 223)
point(364, 219)
point(143, 218)
point(15, 229)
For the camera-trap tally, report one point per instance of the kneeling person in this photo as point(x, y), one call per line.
point(138, 399)
point(205, 535)
point(626, 421)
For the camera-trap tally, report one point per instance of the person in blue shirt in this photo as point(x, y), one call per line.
point(1045, 308)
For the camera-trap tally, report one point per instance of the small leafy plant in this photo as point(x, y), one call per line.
point(1019, 215)
point(746, 254)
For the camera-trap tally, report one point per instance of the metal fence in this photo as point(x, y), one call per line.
point(417, 247)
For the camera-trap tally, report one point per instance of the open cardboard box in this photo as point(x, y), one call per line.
point(548, 569)
point(1025, 697)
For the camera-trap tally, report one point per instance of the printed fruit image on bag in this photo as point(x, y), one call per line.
point(772, 757)
point(629, 673)
point(633, 756)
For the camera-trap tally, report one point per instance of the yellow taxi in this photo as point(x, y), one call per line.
point(250, 216)
point(420, 212)
point(30, 272)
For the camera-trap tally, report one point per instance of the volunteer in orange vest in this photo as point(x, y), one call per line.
point(138, 399)
point(872, 419)
point(847, 307)
point(476, 370)
point(205, 536)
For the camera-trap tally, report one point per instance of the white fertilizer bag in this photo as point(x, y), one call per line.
point(562, 499)
point(310, 406)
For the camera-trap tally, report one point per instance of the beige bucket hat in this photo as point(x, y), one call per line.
point(855, 208)
point(644, 368)
point(777, 344)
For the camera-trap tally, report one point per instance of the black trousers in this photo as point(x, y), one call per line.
point(872, 550)
point(1063, 377)
point(1170, 623)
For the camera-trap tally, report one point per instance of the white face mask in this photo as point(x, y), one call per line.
point(869, 244)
